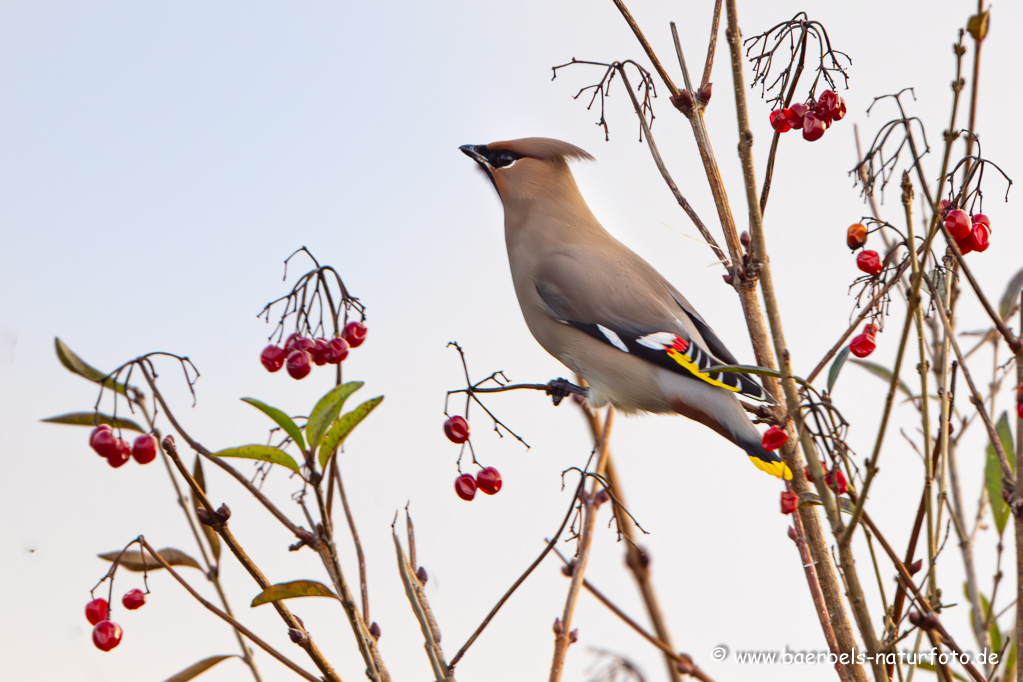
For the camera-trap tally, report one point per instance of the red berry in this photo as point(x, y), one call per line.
point(869, 262)
point(121, 456)
point(778, 122)
point(944, 205)
point(965, 244)
point(133, 599)
point(862, 345)
point(465, 487)
point(336, 351)
point(319, 352)
point(831, 477)
point(96, 610)
point(839, 113)
point(958, 224)
point(289, 343)
point(980, 237)
point(774, 438)
point(456, 429)
point(106, 635)
point(788, 502)
point(827, 105)
point(354, 333)
point(982, 219)
point(488, 480)
point(813, 127)
point(103, 440)
point(273, 358)
point(856, 235)
point(299, 364)
point(303, 343)
point(870, 329)
point(794, 115)
point(144, 450)
point(1019, 410)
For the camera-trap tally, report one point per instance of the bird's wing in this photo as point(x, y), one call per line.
point(618, 298)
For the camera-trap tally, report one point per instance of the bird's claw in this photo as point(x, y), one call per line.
point(559, 389)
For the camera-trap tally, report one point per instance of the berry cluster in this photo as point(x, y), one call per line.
point(300, 352)
point(813, 118)
point(863, 344)
point(107, 634)
point(117, 451)
point(972, 233)
point(488, 480)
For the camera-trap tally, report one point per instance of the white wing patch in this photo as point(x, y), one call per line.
point(657, 340)
point(613, 338)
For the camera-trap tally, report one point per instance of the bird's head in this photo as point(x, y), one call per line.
point(526, 168)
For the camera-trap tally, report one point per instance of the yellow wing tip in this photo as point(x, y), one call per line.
point(776, 469)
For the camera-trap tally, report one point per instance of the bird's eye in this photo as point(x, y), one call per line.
point(503, 159)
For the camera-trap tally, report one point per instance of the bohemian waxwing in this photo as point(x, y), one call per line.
point(603, 311)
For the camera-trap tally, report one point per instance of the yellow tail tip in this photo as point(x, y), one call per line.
point(776, 469)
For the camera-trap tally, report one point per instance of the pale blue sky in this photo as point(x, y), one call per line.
point(159, 160)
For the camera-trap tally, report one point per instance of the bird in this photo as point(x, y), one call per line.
point(603, 311)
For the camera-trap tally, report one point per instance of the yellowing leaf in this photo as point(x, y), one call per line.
point(292, 590)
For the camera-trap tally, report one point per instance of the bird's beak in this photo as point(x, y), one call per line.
point(476, 153)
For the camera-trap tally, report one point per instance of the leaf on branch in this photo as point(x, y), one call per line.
point(133, 559)
point(265, 453)
point(343, 426)
point(993, 474)
point(327, 410)
point(808, 498)
point(193, 671)
point(836, 367)
point(978, 24)
point(884, 373)
point(282, 420)
point(91, 419)
point(83, 369)
point(296, 588)
point(1011, 295)
point(211, 535)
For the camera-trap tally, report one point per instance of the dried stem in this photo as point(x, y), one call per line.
point(291, 665)
point(634, 558)
point(562, 641)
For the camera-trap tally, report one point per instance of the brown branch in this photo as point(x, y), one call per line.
point(669, 653)
point(659, 162)
point(646, 47)
point(711, 45)
point(291, 665)
point(562, 640)
point(634, 558)
point(232, 543)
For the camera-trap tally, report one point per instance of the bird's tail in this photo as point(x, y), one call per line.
point(722, 412)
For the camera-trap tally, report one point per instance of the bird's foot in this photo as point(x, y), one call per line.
point(560, 388)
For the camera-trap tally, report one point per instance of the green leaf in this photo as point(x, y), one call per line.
point(808, 498)
point(265, 453)
point(211, 535)
point(327, 410)
point(91, 419)
point(82, 368)
point(343, 426)
point(296, 588)
point(133, 561)
point(836, 367)
point(1011, 295)
point(193, 671)
point(283, 420)
point(993, 473)
point(1010, 660)
point(884, 373)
